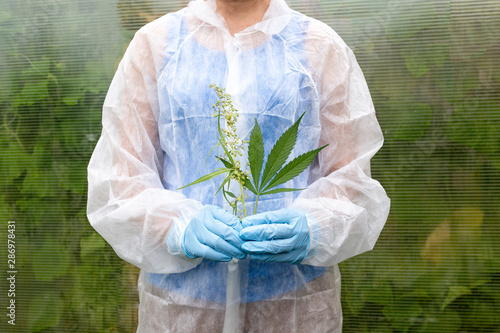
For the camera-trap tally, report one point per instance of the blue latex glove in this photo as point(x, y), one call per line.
point(277, 236)
point(212, 234)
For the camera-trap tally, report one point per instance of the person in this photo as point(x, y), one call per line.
point(158, 129)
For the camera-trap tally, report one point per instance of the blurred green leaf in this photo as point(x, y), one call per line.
point(39, 183)
point(379, 293)
point(408, 18)
point(39, 68)
point(34, 92)
point(410, 121)
point(77, 176)
point(455, 81)
point(402, 313)
point(72, 100)
point(13, 161)
point(448, 321)
point(483, 313)
point(454, 292)
point(473, 32)
point(476, 124)
point(51, 261)
point(90, 244)
point(392, 83)
point(45, 310)
point(97, 76)
point(420, 55)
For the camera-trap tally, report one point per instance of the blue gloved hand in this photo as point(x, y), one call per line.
point(212, 234)
point(277, 236)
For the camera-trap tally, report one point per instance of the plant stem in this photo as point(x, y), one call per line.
point(9, 131)
point(243, 199)
point(256, 202)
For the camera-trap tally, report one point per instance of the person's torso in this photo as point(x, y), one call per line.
point(269, 82)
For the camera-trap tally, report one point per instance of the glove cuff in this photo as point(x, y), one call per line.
point(175, 239)
point(309, 239)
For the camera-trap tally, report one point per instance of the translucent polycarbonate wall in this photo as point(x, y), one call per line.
point(434, 74)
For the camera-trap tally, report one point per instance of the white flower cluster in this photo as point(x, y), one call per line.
point(233, 145)
point(225, 110)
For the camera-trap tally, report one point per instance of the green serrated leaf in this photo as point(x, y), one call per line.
point(206, 177)
point(280, 152)
point(294, 168)
point(279, 190)
point(226, 180)
point(224, 194)
point(454, 292)
point(210, 152)
point(256, 153)
point(226, 163)
point(231, 194)
point(248, 184)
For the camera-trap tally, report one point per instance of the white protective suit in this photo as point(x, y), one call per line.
point(158, 129)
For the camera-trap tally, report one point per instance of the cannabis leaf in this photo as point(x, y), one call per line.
point(279, 153)
point(207, 177)
point(275, 173)
point(256, 152)
point(293, 169)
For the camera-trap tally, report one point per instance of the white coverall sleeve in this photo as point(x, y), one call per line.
point(346, 209)
point(127, 203)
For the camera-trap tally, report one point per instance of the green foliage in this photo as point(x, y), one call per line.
point(69, 279)
point(233, 148)
point(279, 153)
point(211, 175)
point(275, 172)
point(45, 311)
point(292, 169)
point(51, 261)
point(256, 153)
point(432, 68)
